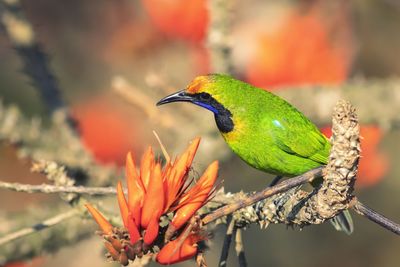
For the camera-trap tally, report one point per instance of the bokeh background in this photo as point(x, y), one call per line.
point(114, 59)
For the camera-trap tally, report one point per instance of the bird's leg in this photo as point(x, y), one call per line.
point(276, 180)
point(258, 205)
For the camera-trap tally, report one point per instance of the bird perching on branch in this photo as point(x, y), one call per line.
point(264, 130)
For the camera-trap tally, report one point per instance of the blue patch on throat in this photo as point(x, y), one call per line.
point(206, 106)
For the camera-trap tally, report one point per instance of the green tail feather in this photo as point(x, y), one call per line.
point(343, 222)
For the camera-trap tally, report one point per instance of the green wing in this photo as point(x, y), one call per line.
point(301, 138)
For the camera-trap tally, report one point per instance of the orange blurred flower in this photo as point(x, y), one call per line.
point(153, 192)
point(179, 18)
point(106, 129)
point(35, 262)
point(304, 49)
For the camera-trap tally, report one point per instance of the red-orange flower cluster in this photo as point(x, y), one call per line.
point(152, 193)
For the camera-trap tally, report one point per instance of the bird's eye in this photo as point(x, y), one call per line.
point(205, 96)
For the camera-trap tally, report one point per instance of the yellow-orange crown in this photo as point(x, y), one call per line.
point(197, 85)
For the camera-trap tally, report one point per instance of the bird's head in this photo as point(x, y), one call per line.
point(213, 92)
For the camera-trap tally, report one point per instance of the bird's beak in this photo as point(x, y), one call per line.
point(180, 96)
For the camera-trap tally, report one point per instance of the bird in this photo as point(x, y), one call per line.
point(263, 129)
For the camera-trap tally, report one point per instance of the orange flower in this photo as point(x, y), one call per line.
point(195, 198)
point(171, 254)
point(152, 193)
point(177, 174)
point(153, 202)
point(146, 166)
point(123, 206)
point(135, 189)
point(105, 226)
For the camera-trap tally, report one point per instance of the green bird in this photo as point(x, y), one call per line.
point(263, 129)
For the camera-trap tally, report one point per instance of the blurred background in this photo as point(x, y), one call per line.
point(112, 61)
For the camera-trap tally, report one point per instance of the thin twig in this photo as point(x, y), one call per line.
point(267, 192)
point(377, 218)
point(240, 248)
point(227, 242)
point(138, 98)
point(200, 260)
point(38, 227)
point(49, 189)
point(163, 149)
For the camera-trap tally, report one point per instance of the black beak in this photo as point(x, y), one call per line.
point(180, 96)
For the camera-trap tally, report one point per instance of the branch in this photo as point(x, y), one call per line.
point(48, 189)
point(61, 234)
point(240, 248)
point(267, 192)
point(38, 227)
point(200, 260)
point(377, 218)
point(231, 230)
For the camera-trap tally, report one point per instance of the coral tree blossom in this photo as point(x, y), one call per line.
point(153, 192)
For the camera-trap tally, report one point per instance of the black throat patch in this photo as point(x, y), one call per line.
point(223, 117)
point(224, 123)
